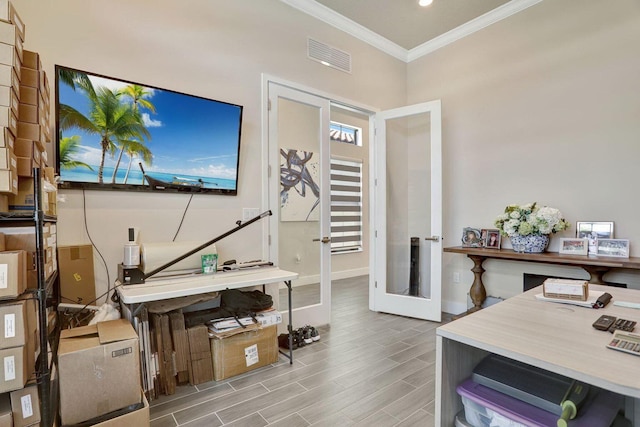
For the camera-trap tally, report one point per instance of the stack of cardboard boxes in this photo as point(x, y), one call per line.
point(19, 343)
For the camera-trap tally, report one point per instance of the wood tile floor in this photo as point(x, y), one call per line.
point(368, 369)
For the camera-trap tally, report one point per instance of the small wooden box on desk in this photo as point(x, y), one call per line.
point(552, 336)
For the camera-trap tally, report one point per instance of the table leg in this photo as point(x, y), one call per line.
point(290, 325)
point(477, 292)
point(597, 274)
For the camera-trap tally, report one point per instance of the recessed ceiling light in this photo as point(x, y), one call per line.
point(425, 2)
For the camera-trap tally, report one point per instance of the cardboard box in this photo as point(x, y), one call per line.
point(10, 78)
point(25, 405)
point(8, 160)
point(13, 320)
point(31, 60)
point(8, 182)
point(139, 417)
point(9, 98)
point(200, 368)
point(14, 373)
point(9, 34)
point(77, 282)
point(27, 94)
point(6, 419)
point(6, 138)
point(99, 370)
point(243, 352)
point(8, 13)
point(12, 273)
point(28, 113)
point(8, 119)
point(28, 130)
point(24, 168)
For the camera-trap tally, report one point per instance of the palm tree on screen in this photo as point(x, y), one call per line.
point(138, 95)
point(68, 148)
point(136, 149)
point(108, 118)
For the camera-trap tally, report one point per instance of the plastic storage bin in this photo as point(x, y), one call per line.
point(484, 407)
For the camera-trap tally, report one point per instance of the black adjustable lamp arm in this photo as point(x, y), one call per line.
point(209, 243)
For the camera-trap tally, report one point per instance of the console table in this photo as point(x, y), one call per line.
point(551, 336)
point(595, 266)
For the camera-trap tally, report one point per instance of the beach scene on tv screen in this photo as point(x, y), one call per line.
point(114, 132)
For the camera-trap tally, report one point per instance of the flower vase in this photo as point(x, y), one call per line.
point(533, 243)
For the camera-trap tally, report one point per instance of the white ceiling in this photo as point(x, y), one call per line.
point(406, 30)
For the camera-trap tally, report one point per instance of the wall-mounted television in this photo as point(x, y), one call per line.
point(114, 134)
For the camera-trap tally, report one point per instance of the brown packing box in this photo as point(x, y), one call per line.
point(8, 13)
point(9, 77)
point(99, 370)
point(8, 181)
point(9, 34)
point(8, 119)
point(15, 373)
point(13, 279)
point(9, 56)
point(6, 419)
point(201, 368)
point(181, 345)
point(4, 203)
point(136, 418)
point(8, 160)
point(31, 60)
point(25, 405)
point(75, 264)
point(28, 113)
point(9, 98)
point(24, 167)
point(243, 352)
point(13, 320)
point(28, 95)
point(6, 138)
point(28, 130)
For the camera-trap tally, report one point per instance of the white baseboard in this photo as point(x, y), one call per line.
point(453, 307)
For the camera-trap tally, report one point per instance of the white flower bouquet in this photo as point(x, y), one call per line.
point(530, 219)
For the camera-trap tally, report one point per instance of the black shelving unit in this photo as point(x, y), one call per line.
point(47, 295)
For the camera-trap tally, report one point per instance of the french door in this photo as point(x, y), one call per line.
point(299, 192)
point(406, 261)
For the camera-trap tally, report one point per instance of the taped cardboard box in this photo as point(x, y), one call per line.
point(244, 352)
point(77, 282)
point(13, 316)
point(15, 362)
point(25, 406)
point(108, 348)
point(200, 367)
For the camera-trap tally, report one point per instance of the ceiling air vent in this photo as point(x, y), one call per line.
point(329, 56)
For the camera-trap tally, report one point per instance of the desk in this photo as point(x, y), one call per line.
point(180, 286)
point(594, 265)
point(551, 336)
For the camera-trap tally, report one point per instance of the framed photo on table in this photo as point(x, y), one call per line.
point(574, 246)
point(492, 238)
point(613, 247)
point(471, 238)
point(594, 230)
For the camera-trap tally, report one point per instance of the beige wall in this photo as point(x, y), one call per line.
point(545, 107)
point(542, 107)
point(210, 48)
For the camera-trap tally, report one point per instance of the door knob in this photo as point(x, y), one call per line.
point(433, 238)
point(323, 240)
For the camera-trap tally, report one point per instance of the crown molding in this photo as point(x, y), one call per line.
point(329, 16)
point(468, 28)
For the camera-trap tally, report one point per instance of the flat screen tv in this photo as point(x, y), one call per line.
point(113, 134)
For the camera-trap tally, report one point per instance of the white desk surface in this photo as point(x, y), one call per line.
point(180, 286)
point(555, 337)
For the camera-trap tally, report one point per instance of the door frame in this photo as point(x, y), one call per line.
point(379, 299)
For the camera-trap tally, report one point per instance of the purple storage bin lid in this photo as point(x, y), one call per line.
point(599, 410)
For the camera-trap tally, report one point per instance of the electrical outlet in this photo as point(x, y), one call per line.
point(456, 277)
point(249, 213)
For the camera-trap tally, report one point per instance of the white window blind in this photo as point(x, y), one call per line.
point(346, 205)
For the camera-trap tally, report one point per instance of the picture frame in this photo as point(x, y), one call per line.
point(491, 238)
point(598, 229)
point(594, 230)
point(613, 247)
point(471, 238)
point(574, 246)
